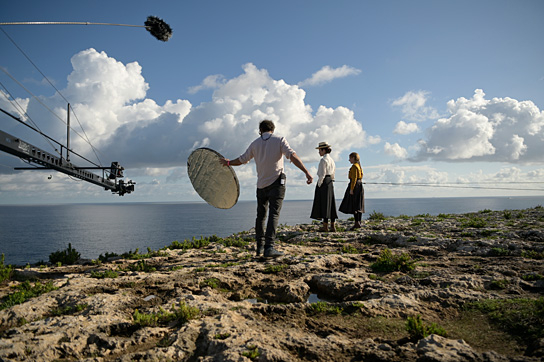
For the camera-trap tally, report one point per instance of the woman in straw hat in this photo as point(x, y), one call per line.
point(354, 198)
point(324, 206)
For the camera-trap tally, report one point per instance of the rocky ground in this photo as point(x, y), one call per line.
point(337, 296)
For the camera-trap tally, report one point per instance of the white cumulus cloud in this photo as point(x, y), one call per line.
point(210, 82)
point(328, 74)
point(414, 108)
point(395, 150)
point(480, 129)
point(406, 128)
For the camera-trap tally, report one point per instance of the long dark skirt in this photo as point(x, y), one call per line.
point(353, 203)
point(324, 206)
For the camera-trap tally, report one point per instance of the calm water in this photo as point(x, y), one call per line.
point(28, 234)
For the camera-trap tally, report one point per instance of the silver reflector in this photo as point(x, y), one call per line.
point(215, 183)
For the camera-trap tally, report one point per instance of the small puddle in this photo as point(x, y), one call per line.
point(313, 298)
point(255, 301)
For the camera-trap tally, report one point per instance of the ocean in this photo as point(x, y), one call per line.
point(29, 234)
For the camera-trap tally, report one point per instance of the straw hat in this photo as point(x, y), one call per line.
point(323, 145)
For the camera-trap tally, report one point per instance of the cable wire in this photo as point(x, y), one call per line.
point(86, 138)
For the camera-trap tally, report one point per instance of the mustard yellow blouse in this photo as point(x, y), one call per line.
point(355, 173)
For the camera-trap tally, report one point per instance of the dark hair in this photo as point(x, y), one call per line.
point(327, 150)
point(266, 126)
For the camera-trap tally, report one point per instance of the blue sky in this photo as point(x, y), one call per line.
point(434, 92)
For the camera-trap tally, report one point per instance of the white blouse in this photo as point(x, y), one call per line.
point(326, 167)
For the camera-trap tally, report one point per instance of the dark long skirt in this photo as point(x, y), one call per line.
point(353, 203)
point(324, 206)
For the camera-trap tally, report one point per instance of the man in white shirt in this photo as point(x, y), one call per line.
point(268, 151)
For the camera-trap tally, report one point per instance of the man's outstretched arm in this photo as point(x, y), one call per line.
point(298, 162)
point(227, 162)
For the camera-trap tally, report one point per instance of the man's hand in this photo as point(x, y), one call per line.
point(224, 161)
point(309, 178)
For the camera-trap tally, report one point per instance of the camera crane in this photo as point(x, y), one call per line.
point(45, 160)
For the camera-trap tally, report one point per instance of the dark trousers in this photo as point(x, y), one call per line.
point(269, 197)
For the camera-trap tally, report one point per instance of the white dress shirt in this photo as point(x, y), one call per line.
point(268, 151)
point(326, 167)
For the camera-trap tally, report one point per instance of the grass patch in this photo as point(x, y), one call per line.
point(180, 315)
point(419, 330)
point(532, 254)
point(349, 249)
point(69, 310)
point(252, 352)
point(211, 282)
point(522, 318)
point(498, 252)
point(193, 243)
point(275, 269)
point(135, 255)
point(26, 291)
point(388, 262)
point(139, 266)
point(323, 308)
point(236, 242)
point(105, 274)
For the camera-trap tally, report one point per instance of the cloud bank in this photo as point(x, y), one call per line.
point(109, 99)
point(479, 129)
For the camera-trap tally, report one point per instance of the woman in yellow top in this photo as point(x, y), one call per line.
point(354, 198)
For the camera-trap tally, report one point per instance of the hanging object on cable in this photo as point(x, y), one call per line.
point(156, 26)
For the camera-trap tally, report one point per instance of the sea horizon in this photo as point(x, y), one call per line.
point(30, 233)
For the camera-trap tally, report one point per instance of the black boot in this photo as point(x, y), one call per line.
point(269, 251)
point(260, 248)
point(272, 253)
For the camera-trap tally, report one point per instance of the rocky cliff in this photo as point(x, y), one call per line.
point(425, 288)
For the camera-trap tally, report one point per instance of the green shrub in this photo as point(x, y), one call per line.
point(499, 252)
point(252, 353)
point(211, 282)
point(192, 244)
point(222, 335)
point(499, 284)
point(6, 272)
point(141, 266)
point(68, 256)
point(532, 254)
point(135, 255)
point(419, 330)
point(237, 242)
point(475, 222)
point(104, 257)
point(377, 216)
point(388, 262)
point(68, 310)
